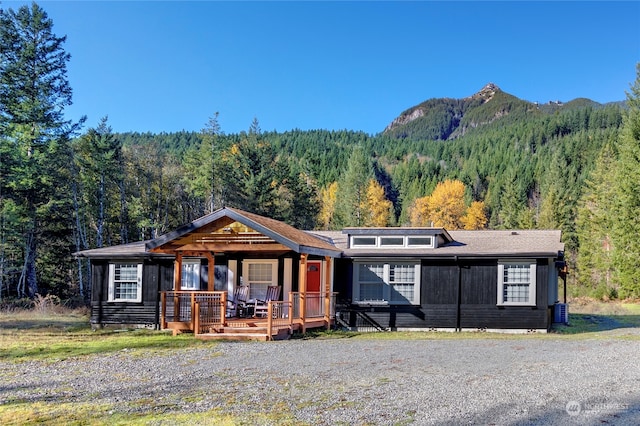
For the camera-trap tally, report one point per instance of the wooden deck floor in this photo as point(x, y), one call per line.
point(255, 329)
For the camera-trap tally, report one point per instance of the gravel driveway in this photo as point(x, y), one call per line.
point(485, 380)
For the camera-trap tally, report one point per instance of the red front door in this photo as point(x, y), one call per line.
point(313, 276)
point(314, 300)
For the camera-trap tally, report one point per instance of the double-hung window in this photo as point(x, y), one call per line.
point(259, 274)
point(517, 283)
point(190, 279)
point(386, 283)
point(125, 282)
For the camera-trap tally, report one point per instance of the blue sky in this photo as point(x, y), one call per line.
point(169, 66)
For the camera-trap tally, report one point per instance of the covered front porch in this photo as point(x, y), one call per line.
point(232, 249)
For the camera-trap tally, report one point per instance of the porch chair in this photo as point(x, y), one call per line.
point(238, 305)
point(261, 307)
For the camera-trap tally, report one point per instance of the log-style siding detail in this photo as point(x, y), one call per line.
point(156, 276)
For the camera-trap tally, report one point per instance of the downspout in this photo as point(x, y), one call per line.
point(458, 313)
point(157, 315)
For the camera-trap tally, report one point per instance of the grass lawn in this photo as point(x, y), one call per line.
point(34, 335)
point(589, 316)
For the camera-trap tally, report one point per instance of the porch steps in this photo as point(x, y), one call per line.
point(245, 333)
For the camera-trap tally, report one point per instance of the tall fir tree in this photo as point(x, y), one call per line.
point(34, 90)
point(203, 168)
point(99, 158)
point(594, 224)
point(626, 227)
point(352, 189)
point(512, 202)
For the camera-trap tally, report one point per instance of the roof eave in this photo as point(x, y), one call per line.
point(444, 255)
point(316, 251)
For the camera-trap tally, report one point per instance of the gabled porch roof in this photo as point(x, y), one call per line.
point(229, 229)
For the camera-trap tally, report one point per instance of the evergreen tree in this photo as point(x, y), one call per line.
point(626, 228)
point(304, 207)
point(512, 203)
point(98, 155)
point(33, 93)
point(594, 223)
point(352, 189)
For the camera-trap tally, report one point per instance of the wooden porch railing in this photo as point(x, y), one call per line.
point(316, 307)
point(200, 311)
point(179, 308)
point(278, 317)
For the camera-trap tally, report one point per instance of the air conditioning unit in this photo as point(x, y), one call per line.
point(561, 313)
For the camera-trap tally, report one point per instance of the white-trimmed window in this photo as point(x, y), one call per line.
point(392, 241)
point(517, 283)
point(125, 282)
point(190, 274)
point(386, 282)
point(259, 274)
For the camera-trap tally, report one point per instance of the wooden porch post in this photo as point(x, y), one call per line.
point(177, 272)
point(177, 277)
point(223, 309)
point(211, 275)
point(327, 291)
point(302, 289)
point(196, 319)
point(163, 321)
point(193, 310)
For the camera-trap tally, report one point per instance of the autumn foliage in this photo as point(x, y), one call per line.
point(446, 208)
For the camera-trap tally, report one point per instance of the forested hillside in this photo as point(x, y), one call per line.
point(501, 161)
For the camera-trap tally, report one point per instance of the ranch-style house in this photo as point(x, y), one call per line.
point(237, 275)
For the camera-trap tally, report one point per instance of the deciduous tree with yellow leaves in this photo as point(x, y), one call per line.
point(328, 197)
point(445, 207)
point(377, 210)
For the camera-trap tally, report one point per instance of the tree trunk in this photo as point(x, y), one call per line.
point(30, 264)
point(81, 242)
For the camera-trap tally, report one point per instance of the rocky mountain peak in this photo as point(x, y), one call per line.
point(487, 92)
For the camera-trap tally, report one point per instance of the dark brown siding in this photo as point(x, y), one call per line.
point(479, 308)
point(457, 295)
point(156, 276)
point(342, 279)
point(439, 295)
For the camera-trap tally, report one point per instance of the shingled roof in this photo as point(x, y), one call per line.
point(280, 232)
point(482, 243)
